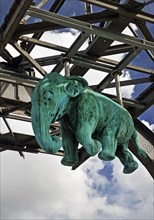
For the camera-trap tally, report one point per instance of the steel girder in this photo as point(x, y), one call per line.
point(12, 21)
point(90, 29)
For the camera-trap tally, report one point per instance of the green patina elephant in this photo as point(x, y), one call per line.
point(86, 117)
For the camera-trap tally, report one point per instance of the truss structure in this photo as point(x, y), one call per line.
point(23, 27)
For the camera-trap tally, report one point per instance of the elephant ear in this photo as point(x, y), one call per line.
point(75, 87)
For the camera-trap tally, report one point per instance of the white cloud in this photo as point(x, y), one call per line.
point(126, 91)
point(150, 126)
point(16, 126)
point(94, 77)
point(39, 187)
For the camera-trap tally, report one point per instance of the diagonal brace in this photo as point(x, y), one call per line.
point(89, 28)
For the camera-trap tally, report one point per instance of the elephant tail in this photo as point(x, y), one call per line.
point(134, 138)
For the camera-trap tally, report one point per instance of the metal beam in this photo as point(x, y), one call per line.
point(51, 60)
point(112, 6)
point(55, 8)
point(89, 29)
point(144, 131)
point(146, 141)
point(27, 150)
point(133, 82)
point(129, 66)
point(16, 117)
point(42, 43)
point(114, 63)
point(127, 59)
point(14, 136)
point(122, 48)
point(12, 24)
point(24, 106)
point(29, 82)
point(118, 89)
point(126, 102)
point(99, 44)
point(83, 156)
point(146, 97)
point(89, 61)
point(29, 58)
point(18, 79)
point(77, 60)
point(36, 28)
point(146, 35)
point(39, 5)
point(48, 26)
point(148, 3)
point(56, 5)
point(147, 162)
point(120, 66)
point(91, 64)
point(7, 56)
point(72, 50)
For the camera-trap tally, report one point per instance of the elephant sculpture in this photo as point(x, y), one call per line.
point(99, 124)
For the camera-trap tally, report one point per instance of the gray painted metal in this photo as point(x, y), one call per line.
point(113, 6)
point(88, 28)
point(30, 59)
point(10, 26)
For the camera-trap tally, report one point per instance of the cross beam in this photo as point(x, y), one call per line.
point(89, 28)
point(9, 28)
point(117, 8)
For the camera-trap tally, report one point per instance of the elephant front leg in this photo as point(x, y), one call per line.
point(109, 145)
point(87, 121)
point(84, 137)
point(70, 146)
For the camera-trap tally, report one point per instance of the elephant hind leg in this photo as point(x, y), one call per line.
point(109, 145)
point(126, 158)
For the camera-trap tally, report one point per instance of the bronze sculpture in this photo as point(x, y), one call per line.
point(86, 117)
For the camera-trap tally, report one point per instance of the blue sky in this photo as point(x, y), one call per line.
point(39, 187)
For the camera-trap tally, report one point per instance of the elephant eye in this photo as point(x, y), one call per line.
point(47, 95)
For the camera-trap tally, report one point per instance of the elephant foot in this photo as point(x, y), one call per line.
point(69, 162)
point(130, 168)
point(106, 156)
point(93, 148)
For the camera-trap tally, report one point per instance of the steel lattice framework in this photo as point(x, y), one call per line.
point(101, 28)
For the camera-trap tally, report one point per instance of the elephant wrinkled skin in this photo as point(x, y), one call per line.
point(86, 117)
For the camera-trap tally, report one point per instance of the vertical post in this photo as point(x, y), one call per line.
point(88, 10)
point(66, 62)
point(118, 88)
point(67, 67)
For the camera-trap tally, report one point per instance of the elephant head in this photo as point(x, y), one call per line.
point(51, 100)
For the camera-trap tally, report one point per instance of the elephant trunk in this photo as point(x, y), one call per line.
point(41, 120)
